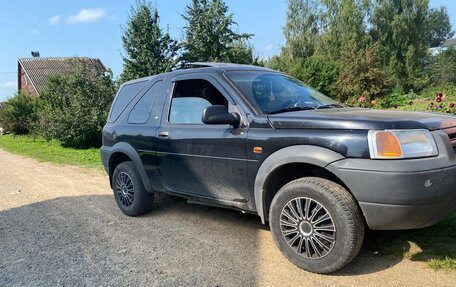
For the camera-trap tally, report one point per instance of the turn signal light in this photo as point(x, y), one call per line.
point(388, 145)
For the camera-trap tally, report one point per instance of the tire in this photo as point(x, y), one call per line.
point(318, 247)
point(129, 192)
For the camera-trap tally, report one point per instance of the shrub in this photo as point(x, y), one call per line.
point(433, 99)
point(317, 71)
point(74, 108)
point(443, 68)
point(17, 114)
point(361, 75)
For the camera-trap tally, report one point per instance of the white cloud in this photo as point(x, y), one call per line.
point(87, 16)
point(269, 47)
point(55, 20)
point(8, 84)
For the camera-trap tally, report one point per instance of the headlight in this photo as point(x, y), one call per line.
point(395, 144)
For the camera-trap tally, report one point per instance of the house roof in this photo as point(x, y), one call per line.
point(449, 43)
point(39, 69)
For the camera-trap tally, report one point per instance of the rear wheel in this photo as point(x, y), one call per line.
point(129, 191)
point(316, 224)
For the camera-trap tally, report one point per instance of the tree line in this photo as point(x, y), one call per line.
point(348, 49)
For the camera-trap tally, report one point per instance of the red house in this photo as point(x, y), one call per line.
point(33, 73)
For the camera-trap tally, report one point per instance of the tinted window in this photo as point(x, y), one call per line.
point(126, 94)
point(190, 98)
point(274, 92)
point(141, 111)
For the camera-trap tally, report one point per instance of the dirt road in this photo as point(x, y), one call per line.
point(59, 225)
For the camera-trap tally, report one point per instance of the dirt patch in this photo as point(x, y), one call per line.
point(59, 225)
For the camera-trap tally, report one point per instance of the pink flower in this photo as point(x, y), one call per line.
point(439, 95)
point(440, 107)
point(452, 105)
point(438, 100)
point(362, 99)
point(373, 102)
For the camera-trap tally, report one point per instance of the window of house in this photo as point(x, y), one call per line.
point(142, 109)
point(190, 98)
point(125, 95)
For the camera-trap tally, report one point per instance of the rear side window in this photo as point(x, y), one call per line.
point(126, 94)
point(141, 111)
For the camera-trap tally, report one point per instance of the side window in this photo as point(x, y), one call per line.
point(190, 98)
point(125, 95)
point(141, 111)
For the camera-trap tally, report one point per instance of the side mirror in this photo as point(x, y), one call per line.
point(218, 115)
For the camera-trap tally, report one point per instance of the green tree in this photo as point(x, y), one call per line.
point(17, 114)
point(400, 28)
point(443, 68)
point(438, 27)
point(149, 50)
point(73, 109)
point(361, 75)
point(209, 35)
point(345, 26)
point(302, 28)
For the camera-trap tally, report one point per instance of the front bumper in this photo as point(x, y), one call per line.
point(403, 194)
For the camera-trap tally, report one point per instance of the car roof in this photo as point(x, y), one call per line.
point(206, 67)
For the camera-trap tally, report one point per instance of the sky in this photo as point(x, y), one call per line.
point(92, 28)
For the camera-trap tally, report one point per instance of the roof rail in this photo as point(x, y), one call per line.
point(205, 64)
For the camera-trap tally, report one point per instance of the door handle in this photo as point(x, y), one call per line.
point(163, 134)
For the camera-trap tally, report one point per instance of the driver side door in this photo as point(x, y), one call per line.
point(207, 161)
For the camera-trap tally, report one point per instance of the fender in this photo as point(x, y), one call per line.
point(128, 150)
point(294, 154)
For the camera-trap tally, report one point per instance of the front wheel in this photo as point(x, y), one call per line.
point(129, 191)
point(316, 224)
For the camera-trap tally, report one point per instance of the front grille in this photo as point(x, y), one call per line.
point(453, 140)
point(452, 136)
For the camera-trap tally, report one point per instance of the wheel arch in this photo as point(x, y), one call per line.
point(121, 152)
point(294, 161)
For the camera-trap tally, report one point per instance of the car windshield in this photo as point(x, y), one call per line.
point(274, 93)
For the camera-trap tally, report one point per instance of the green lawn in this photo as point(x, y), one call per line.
point(435, 245)
point(51, 151)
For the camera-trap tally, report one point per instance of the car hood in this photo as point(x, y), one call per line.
point(361, 119)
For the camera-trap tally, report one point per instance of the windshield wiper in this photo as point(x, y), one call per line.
point(329, 106)
point(291, 109)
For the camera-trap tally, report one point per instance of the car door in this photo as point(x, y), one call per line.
point(208, 161)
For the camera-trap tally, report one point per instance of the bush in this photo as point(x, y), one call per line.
point(443, 68)
point(17, 114)
point(317, 71)
point(73, 109)
point(361, 75)
point(433, 99)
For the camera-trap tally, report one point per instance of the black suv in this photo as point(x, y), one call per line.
point(259, 141)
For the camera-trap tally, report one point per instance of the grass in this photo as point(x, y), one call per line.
point(51, 151)
point(435, 245)
point(427, 100)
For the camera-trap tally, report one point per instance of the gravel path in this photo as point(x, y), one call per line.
point(60, 226)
